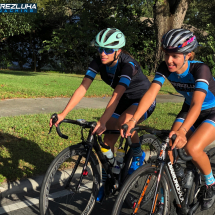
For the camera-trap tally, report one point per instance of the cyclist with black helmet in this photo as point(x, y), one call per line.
point(195, 124)
point(123, 73)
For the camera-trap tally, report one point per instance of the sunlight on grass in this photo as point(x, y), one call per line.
point(27, 150)
point(19, 84)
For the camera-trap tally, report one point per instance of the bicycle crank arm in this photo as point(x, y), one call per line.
point(193, 209)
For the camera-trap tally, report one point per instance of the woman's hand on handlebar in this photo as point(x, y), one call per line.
point(131, 125)
point(180, 141)
point(100, 128)
point(60, 118)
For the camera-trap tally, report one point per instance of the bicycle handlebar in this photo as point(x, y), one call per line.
point(80, 122)
point(153, 131)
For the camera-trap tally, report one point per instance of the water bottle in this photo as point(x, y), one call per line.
point(109, 154)
point(179, 172)
point(118, 161)
point(189, 175)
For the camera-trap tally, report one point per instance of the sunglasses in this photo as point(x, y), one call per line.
point(107, 51)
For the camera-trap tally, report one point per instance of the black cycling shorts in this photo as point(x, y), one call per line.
point(206, 116)
point(125, 103)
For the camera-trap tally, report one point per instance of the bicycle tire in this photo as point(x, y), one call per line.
point(53, 192)
point(130, 187)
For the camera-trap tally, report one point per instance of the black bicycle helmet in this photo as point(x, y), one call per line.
point(179, 40)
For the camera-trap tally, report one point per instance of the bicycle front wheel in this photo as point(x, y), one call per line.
point(59, 193)
point(137, 194)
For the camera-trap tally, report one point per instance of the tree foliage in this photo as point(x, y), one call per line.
point(72, 43)
point(61, 34)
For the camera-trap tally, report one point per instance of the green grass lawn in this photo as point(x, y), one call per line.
point(20, 84)
point(26, 149)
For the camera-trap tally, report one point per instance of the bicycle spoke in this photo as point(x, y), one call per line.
point(60, 193)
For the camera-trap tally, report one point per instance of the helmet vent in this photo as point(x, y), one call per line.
point(101, 34)
point(109, 33)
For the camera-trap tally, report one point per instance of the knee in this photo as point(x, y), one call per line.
point(193, 151)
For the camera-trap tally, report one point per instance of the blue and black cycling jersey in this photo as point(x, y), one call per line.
point(126, 72)
point(197, 77)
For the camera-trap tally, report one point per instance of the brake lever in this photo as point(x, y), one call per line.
point(54, 120)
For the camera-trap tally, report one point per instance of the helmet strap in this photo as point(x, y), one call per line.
point(184, 62)
point(115, 58)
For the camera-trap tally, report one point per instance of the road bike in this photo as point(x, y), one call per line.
point(151, 182)
point(72, 181)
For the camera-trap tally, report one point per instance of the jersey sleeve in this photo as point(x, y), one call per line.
point(92, 70)
point(127, 73)
point(161, 74)
point(202, 77)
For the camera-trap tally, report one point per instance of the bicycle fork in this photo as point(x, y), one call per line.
point(144, 190)
point(88, 148)
point(156, 189)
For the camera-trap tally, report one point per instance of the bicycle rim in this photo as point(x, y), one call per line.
point(58, 193)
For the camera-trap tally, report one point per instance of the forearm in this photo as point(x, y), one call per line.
point(146, 101)
point(75, 99)
point(114, 101)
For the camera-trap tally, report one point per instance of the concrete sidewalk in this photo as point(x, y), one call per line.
point(14, 107)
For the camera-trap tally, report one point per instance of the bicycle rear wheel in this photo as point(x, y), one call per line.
point(151, 145)
point(58, 192)
point(141, 182)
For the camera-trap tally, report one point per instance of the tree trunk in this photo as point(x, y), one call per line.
point(168, 14)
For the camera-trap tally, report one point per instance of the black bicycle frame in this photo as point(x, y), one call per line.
point(167, 167)
point(89, 144)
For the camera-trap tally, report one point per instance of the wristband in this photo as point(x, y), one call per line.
point(133, 120)
point(184, 129)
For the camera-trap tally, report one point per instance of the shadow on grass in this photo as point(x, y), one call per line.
point(21, 73)
point(173, 114)
point(21, 158)
point(170, 93)
point(18, 73)
point(32, 73)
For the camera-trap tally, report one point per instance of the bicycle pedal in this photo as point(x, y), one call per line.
point(85, 173)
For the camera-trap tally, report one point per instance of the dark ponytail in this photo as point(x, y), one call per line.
point(125, 52)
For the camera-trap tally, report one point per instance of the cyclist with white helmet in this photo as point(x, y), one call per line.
point(123, 73)
point(194, 80)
